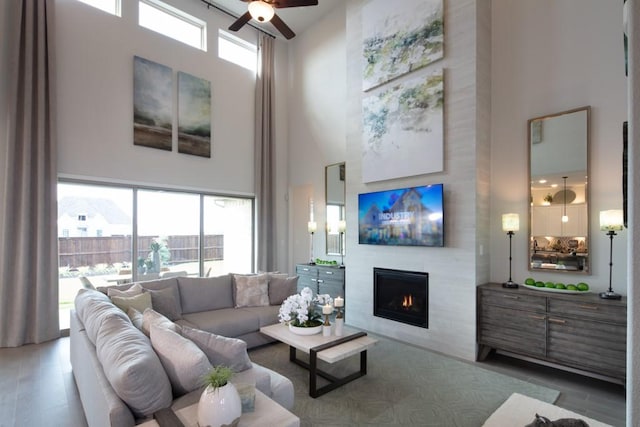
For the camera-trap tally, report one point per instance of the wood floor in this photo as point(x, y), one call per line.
point(37, 387)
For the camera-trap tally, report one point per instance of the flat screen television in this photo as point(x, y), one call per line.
point(403, 217)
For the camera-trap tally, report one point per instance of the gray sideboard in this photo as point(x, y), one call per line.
point(581, 332)
point(321, 279)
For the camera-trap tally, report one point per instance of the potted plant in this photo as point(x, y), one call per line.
point(299, 312)
point(220, 402)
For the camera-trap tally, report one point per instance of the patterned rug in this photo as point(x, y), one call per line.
point(404, 386)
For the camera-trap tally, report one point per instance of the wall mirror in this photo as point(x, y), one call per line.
point(334, 176)
point(559, 192)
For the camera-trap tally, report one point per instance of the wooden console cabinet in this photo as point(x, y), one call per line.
point(581, 332)
point(321, 279)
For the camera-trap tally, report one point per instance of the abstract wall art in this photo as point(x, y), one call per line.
point(152, 104)
point(403, 129)
point(400, 37)
point(194, 115)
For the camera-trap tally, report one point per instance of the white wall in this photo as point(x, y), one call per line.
point(95, 112)
point(546, 58)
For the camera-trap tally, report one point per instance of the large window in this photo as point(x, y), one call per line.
point(171, 22)
point(109, 235)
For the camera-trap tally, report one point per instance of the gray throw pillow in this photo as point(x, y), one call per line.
point(230, 352)
point(164, 301)
point(151, 317)
point(205, 293)
point(282, 288)
point(186, 365)
point(251, 291)
point(132, 367)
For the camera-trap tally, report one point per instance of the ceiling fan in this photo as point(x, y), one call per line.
point(263, 11)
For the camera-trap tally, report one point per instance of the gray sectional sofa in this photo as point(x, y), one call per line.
point(122, 375)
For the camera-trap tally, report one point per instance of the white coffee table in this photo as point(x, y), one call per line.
point(330, 349)
point(266, 413)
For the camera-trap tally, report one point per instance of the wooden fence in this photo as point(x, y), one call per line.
point(90, 251)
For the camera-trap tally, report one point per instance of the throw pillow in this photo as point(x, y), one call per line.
point(231, 352)
point(132, 367)
point(139, 302)
point(151, 317)
point(164, 302)
point(93, 307)
point(251, 291)
point(282, 288)
point(134, 290)
point(136, 317)
point(205, 293)
point(185, 364)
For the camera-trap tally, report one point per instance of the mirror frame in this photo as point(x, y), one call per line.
point(329, 234)
point(530, 242)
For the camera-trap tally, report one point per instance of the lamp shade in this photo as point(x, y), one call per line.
point(261, 11)
point(312, 226)
point(611, 220)
point(510, 222)
point(342, 226)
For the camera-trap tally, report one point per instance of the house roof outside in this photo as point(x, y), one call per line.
point(92, 206)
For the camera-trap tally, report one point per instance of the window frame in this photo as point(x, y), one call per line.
point(180, 15)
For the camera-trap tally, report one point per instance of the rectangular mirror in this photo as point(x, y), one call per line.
point(335, 196)
point(559, 192)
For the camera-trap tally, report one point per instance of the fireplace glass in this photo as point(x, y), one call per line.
point(402, 296)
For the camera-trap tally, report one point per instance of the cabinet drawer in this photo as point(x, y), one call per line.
point(307, 270)
point(605, 312)
point(513, 300)
point(331, 273)
point(583, 344)
point(510, 329)
point(307, 282)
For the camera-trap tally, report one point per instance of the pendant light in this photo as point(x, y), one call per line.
point(565, 218)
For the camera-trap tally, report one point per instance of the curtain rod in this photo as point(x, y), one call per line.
point(225, 11)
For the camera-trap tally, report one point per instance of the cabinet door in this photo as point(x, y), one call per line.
point(513, 330)
point(307, 277)
point(546, 221)
point(583, 344)
point(577, 224)
point(331, 281)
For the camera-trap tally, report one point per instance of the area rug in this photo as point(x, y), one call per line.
point(404, 386)
point(519, 410)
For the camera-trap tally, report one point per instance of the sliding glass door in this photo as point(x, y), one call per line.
point(116, 234)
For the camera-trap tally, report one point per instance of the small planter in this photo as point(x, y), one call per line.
point(219, 407)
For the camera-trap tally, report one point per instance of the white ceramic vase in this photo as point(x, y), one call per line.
point(305, 331)
point(219, 407)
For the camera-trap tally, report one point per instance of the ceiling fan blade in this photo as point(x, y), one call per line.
point(293, 3)
point(282, 27)
point(240, 22)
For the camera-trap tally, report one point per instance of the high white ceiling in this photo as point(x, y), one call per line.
point(297, 18)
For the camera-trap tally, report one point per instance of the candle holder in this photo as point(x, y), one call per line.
point(326, 326)
point(339, 322)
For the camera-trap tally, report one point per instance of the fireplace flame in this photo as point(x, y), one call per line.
point(407, 301)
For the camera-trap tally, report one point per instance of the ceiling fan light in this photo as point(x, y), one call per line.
point(261, 11)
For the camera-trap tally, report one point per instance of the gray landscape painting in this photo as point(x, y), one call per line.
point(152, 104)
point(194, 115)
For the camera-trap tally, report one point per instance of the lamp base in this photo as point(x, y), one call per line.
point(510, 284)
point(610, 295)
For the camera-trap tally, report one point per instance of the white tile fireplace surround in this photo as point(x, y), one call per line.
point(401, 296)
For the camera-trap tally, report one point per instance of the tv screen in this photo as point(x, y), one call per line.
point(403, 217)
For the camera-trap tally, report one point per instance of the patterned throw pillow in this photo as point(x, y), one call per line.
point(251, 291)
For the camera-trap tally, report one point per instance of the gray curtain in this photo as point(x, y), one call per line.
point(264, 156)
point(28, 262)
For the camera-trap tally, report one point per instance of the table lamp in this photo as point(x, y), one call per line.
point(611, 221)
point(510, 224)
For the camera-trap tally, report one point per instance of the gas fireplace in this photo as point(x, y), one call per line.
point(402, 296)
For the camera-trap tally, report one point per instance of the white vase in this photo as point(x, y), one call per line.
point(339, 325)
point(305, 331)
point(220, 406)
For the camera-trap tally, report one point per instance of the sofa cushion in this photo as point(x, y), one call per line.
point(251, 291)
point(166, 301)
point(140, 302)
point(205, 293)
point(135, 289)
point(151, 317)
point(280, 288)
point(93, 307)
point(132, 367)
point(220, 350)
point(228, 322)
point(186, 365)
